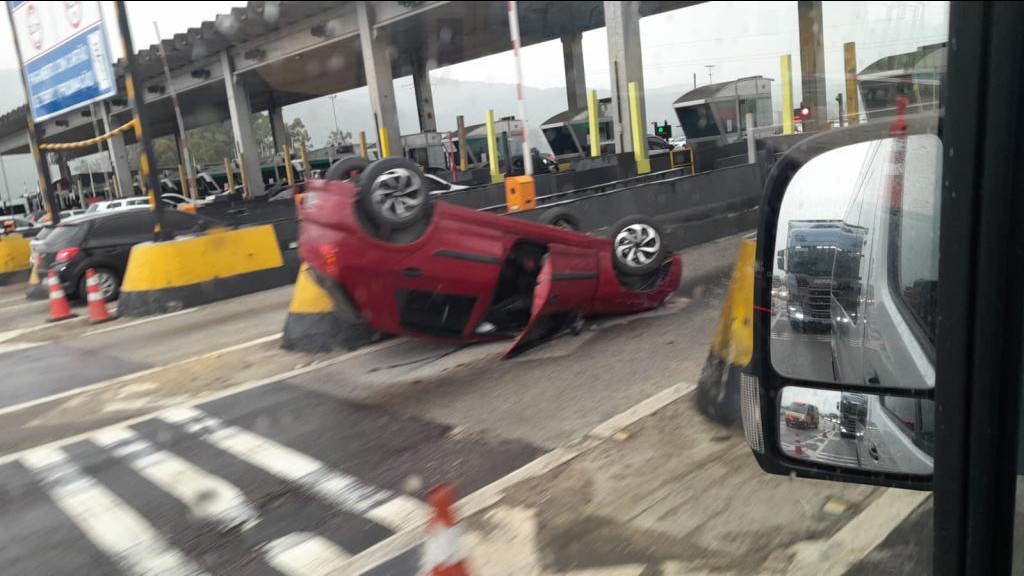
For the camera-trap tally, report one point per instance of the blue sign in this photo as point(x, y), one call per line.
point(65, 59)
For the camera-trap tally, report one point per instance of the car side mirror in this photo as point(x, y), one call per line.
point(856, 211)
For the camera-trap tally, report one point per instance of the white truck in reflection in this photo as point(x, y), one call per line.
point(853, 415)
point(820, 255)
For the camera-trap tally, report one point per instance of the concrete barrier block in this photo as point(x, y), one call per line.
point(168, 276)
point(14, 254)
point(315, 324)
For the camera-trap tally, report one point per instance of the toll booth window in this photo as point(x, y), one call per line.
point(914, 233)
point(582, 132)
point(561, 141)
point(697, 121)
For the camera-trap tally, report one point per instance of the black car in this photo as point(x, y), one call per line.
point(102, 241)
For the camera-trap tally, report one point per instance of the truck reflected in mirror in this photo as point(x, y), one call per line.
point(860, 431)
point(856, 265)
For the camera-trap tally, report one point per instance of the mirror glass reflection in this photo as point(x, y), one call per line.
point(861, 431)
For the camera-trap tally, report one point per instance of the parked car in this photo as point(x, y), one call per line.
point(393, 258)
point(19, 225)
point(102, 241)
point(119, 204)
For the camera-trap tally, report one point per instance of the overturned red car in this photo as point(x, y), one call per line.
point(395, 259)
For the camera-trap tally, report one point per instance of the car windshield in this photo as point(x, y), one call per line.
point(524, 319)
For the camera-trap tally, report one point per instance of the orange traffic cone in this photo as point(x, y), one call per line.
point(799, 451)
point(97, 306)
point(59, 307)
point(442, 552)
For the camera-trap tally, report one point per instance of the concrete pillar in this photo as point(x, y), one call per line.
point(241, 126)
point(376, 45)
point(424, 96)
point(812, 63)
point(118, 155)
point(575, 79)
point(278, 132)
point(625, 65)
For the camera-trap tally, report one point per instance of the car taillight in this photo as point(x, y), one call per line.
point(330, 259)
point(67, 254)
point(39, 260)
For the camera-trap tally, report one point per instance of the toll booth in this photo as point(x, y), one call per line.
point(506, 134)
point(568, 133)
point(917, 76)
point(716, 113)
point(426, 149)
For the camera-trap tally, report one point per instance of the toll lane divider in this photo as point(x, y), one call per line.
point(14, 252)
point(718, 390)
point(168, 276)
point(317, 321)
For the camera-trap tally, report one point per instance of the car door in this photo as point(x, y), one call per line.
point(111, 239)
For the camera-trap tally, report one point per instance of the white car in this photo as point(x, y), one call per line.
point(438, 185)
point(174, 199)
point(119, 204)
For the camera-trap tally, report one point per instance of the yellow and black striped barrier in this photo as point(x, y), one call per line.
point(316, 324)
point(91, 141)
point(164, 277)
point(14, 265)
point(718, 390)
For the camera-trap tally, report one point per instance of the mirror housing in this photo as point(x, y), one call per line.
point(761, 384)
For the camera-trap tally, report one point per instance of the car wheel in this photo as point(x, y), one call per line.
point(393, 194)
point(347, 168)
point(560, 219)
point(109, 281)
point(797, 326)
point(638, 246)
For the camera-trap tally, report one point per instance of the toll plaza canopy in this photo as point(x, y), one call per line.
point(281, 53)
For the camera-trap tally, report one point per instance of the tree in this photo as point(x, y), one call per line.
point(339, 138)
point(297, 134)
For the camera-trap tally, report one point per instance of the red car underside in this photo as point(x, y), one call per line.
point(468, 276)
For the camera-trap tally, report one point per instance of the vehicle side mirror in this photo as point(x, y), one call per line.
point(850, 223)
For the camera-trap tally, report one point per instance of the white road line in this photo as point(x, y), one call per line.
point(609, 427)
point(207, 496)
point(146, 320)
point(250, 385)
point(5, 348)
point(305, 554)
point(106, 520)
point(395, 512)
point(134, 375)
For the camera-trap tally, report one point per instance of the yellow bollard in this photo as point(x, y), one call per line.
point(787, 94)
point(492, 149)
point(852, 102)
point(230, 174)
point(307, 174)
point(362, 145)
point(288, 170)
point(643, 164)
point(245, 177)
point(463, 150)
point(595, 133)
point(383, 146)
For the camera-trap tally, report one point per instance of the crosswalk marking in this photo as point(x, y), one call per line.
point(135, 545)
point(391, 510)
point(207, 496)
point(305, 554)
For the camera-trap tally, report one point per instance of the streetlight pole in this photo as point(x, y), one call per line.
point(335, 111)
point(7, 186)
point(710, 67)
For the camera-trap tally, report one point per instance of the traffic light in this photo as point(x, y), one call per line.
point(663, 131)
point(802, 113)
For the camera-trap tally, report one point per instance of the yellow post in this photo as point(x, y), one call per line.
point(307, 174)
point(595, 134)
point(288, 170)
point(463, 150)
point(181, 178)
point(492, 149)
point(850, 63)
point(383, 146)
point(245, 178)
point(787, 93)
point(230, 174)
point(643, 164)
point(362, 145)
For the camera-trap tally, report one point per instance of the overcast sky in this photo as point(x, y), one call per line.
point(736, 39)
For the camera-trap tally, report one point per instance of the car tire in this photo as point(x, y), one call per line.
point(797, 326)
point(347, 168)
point(560, 219)
point(393, 194)
point(638, 246)
point(110, 284)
